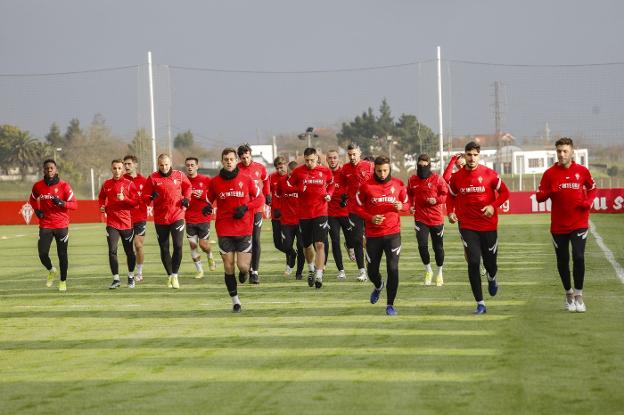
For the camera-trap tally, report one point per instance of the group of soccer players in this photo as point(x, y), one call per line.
point(308, 202)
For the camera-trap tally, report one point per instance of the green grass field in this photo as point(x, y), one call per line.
point(296, 350)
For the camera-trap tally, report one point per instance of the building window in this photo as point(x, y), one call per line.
point(535, 163)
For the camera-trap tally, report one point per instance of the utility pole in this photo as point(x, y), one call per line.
point(498, 115)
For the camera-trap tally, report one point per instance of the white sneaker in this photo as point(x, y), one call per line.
point(580, 305)
point(439, 280)
point(287, 271)
point(428, 277)
point(342, 275)
point(175, 284)
point(569, 303)
point(362, 277)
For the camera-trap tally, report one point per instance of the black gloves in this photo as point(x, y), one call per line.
point(268, 199)
point(207, 210)
point(39, 213)
point(277, 214)
point(343, 200)
point(239, 212)
point(154, 195)
point(58, 202)
point(185, 203)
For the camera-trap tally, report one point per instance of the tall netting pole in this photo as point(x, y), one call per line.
point(152, 120)
point(440, 124)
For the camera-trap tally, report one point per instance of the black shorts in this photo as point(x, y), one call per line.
point(201, 230)
point(139, 228)
point(313, 230)
point(229, 244)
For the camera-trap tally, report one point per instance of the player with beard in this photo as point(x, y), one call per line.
point(169, 192)
point(427, 193)
point(379, 203)
point(353, 175)
point(237, 197)
point(52, 198)
point(138, 213)
point(289, 222)
point(117, 198)
point(276, 212)
point(314, 183)
point(258, 174)
point(198, 224)
point(476, 192)
point(572, 190)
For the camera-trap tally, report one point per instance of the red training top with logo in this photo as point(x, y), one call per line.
point(199, 188)
point(352, 177)
point(54, 217)
point(229, 194)
point(258, 174)
point(139, 212)
point(289, 202)
point(572, 192)
point(313, 185)
point(118, 212)
point(171, 190)
point(375, 198)
point(274, 179)
point(472, 190)
point(334, 209)
point(419, 191)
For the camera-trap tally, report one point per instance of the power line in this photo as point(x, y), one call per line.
point(25, 75)
point(575, 65)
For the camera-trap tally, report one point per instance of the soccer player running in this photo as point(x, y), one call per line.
point(237, 197)
point(197, 221)
point(475, 193)
point(427, 193)
point(289, 222)
point(354, 173)
point(117, 198)
point(571, 190)
point(169, 191)
point(379, 202)
point(315, 185)
point(138, 213)
point(51, 198)
point(276, 212)
point(338, 215)
point(258, 174)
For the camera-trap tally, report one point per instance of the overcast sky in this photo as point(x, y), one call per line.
point(38, 37)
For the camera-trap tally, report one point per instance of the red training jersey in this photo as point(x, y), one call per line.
point(199, 188)
point(258, 174)
point(375, 198)
point(229, 194)
point(171, 190)
point(313, 185)
point(334, 208)
point(572, 192)
point(352, 177)
point(471, 191)
point(419, 191)
point(54, 217)
point(274, 179)
point(139, 212)
point(118, 212)
point(289, 202)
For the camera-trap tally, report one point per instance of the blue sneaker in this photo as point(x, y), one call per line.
point(481, 309)
point(492, 287)
point(374, 297)
point(390, 310)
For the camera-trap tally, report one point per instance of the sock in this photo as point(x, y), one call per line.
point(174, 275)
point(578, 293)
point(440, 269)
point(481, 302)
point(116, 277)
point(198, 266)
point(311, 267)
point(210, 255)
point(254, 272)
point(362, 270)
point(230, 283)
point(139, 269)
point(491, 278)
point(131, 274)
point(235, 299)
point(319, 274)
point(428, 268)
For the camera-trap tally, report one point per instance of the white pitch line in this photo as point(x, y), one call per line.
point(619, 271)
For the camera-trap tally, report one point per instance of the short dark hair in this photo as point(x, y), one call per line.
point(564, 141)
point(292, 165)
point(116, 161)
point(382, 160)
point(279, 160)
point(243, 148)
point(309, 151)
point(424, 157)
point(353, 146)
point(192, 158)
point(227, 150)
point(369, 158)
point(46, 161)
point(472, 146)
point(131, 157)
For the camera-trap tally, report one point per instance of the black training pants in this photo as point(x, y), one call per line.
point(375, 248)
point(176, 230)
point(480, 244)
point(578, 239)
point(61, 236)
point(112, 238)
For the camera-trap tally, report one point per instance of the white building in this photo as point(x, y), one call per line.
point(537, 161)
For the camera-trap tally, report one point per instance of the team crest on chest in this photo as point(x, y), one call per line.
point(578, 176)
point(175, 181)
point(429, 185)
point(480, 179)
point(392, 189)
point(240, 185)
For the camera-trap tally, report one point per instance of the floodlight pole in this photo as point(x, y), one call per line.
point(440, 125)
point(152, 120)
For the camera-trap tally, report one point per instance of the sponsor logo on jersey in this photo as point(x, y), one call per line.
point(313, 181)
point(383, 199)
point(472, 189)
point(571, 185)
point(231, 193)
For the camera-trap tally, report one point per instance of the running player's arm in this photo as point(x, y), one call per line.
point(102, 198)
point(132, 199)
point(448, 171)
point(70, 200)
point(502, 191)
point(544, 190)
point(148, 189)
point(450, 200)
point(329, 184)
point(185, 184)
point(442, 191)
point(33, 200)
point(266, 185)
point(404, 199)
point(255, 201)
point(361, 199)
point(592, 190)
